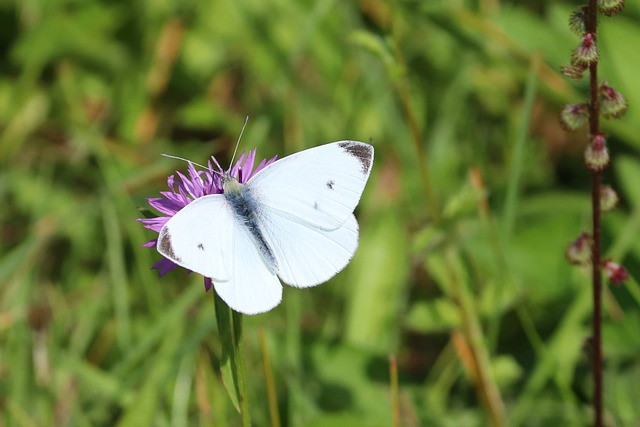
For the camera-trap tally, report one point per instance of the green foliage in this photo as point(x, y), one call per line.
point(475, 193)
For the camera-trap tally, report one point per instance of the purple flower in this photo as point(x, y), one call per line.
point(182, 192)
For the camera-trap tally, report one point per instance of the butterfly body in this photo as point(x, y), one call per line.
point(246, 211)
point(292, 221)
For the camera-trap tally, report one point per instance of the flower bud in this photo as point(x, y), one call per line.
point(574, 116)
point(579, 252)
point(596, 156)
point(608, 198)
point(573, 71)
point(578, 21)
point(587, 52)
point(612, 104)
point(615, 272)
point(610, 7)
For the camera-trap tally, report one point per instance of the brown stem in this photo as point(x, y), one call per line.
point(597, 303)
point(395, 393)
point(594, 128)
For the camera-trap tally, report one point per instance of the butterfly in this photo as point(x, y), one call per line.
point(292, 222)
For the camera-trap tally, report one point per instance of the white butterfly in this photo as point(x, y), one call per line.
point(293, 220)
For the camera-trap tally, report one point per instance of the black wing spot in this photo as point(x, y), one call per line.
point(165, 245)
point(361, 151)
point(201, 246)
point(330, 184)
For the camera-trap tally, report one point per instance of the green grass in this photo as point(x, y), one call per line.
point(475, 193)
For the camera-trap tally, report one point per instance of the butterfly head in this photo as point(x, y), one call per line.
point(230, 184)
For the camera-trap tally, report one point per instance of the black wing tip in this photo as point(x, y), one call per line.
point(361, 151)
point(165, 247)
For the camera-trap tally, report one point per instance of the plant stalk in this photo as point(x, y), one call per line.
point(395, 392)
point(272, 395)
point(243, 394)
point(232, 365)
point(596, 261)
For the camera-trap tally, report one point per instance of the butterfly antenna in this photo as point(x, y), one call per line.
point(246, 119)
point(183, 159)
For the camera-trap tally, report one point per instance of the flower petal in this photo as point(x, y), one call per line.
point(165, 266)
point(151, 244)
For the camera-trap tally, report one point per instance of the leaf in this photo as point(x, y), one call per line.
point(628, 171)
point(378, 47)
point(435, 315)
point(618, 44)
point(377, 293)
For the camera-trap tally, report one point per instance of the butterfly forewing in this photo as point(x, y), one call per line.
point(200, 238)
point(321, 185)
point(206, 237)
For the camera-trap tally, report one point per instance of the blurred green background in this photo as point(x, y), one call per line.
point(475, 193)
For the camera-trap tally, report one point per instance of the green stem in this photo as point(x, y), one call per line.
point(518, 160)
point(243, 396)
point(272, 395)
point(474, 337)
point(403, 92)
point(232, 358)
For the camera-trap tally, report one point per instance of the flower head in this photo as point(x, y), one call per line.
point(579, 252)
point(615, 272)
point(574, 116)
point(587, 52)
point(578, 21)
point(187, 188)
point(610, 7)
point(613, 104)
point(596, 156)
point(608, 198)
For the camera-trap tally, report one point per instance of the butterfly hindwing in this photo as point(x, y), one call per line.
point(306, 254)
point(253, 287)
